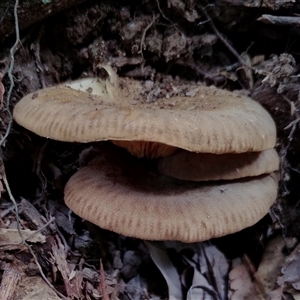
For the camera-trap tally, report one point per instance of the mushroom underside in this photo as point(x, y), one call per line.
point(146, 149)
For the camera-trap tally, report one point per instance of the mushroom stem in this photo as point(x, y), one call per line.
point(120, 89)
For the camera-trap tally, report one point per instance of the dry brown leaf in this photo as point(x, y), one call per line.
point(12, 236)
point(270, 265)
point(247, 70)
point(218, 266)
point(131, 263)
point(73, 286)
point(137, 287)
point(290, 270)
point(30, 213)
point(9, 282)
point(240, 283)
point(276, 294)
point(35, 288)
point(200, 288)
point(265, 283)
point(211, 262)
point(62, 216)
point(117, 283)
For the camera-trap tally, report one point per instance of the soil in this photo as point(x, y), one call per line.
point(250, 47)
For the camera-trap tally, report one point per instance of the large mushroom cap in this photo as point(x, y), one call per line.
point(214, 120)
point(205, 166)
point(119, 193)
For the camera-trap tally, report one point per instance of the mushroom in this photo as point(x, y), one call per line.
point(127, 195)
point(205, 166)
point(225, 127)
point(215, 135)
point(213, 121)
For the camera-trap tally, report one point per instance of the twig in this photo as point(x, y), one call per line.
point(10, 70)
point(40, 229)
point(43, 275)
point(36, 52)
point(280, 20)
point(6, 211)
point(37, 166)
point(103, 285)
point(65, 244)
point(294, 123)
point(11, 197)
point(224, 40)
point(144, 33)
point(165, 17)
point(162, 13)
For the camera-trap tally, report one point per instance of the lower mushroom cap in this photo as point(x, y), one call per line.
point(122, 194)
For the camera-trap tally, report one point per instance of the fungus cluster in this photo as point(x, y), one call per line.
point(213, 164)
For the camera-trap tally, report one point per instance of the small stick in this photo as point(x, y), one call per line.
point(224, 40)
point(103, 285)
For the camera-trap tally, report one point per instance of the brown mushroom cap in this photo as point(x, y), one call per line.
point(121, 194)
point(204, 166)
point(213, 121)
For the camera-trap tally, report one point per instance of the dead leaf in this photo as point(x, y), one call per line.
point(34, 288)
point(12, 236)
point(9, 281)
point(62, 216)
point(240, 283)
point(136, 288)
point(73, 286)
point(290, 270)
point(131, 263)
point(160, 257)
point(208, 262)
point(270, 265)
point(33, 217)
point(200, 288)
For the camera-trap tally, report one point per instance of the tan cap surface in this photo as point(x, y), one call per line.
point(214, 120)
point(122, 194)
point(203, 166)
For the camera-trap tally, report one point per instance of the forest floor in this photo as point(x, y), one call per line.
point(246, 46)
